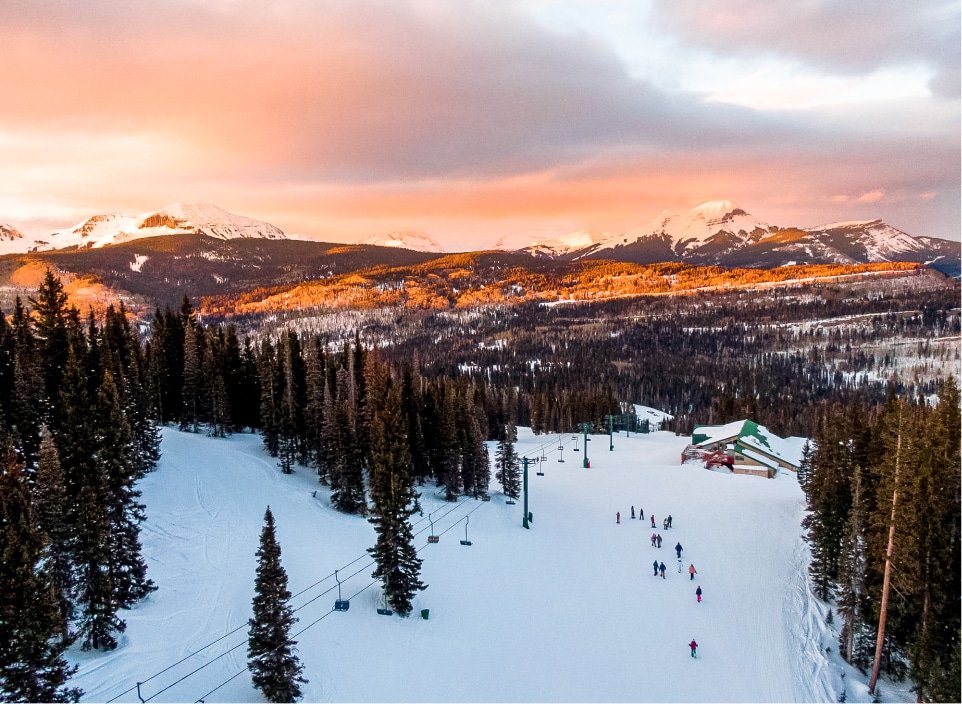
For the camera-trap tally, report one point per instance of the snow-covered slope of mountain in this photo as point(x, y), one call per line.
point(176, 219)
point(881, 242)
point(417, 241)
point(719, 222)
point(566, 244)
point(8, 233)
point(614, 633)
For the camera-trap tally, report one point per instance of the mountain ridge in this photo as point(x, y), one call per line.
point(716, 232)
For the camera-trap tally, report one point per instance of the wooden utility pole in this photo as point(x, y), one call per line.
point(887, 578)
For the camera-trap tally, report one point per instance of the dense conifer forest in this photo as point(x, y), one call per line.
point(381, 405)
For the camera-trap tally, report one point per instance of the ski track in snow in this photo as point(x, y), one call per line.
point(567, 611)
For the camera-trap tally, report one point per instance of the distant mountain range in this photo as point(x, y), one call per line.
point(115, 228)
point(417, 241)
point(721, 233)
point(713, 233)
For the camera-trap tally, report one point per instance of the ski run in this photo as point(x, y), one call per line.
point(567, 610)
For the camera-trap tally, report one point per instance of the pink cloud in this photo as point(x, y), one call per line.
point(871, 197)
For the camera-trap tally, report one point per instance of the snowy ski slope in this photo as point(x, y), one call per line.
point(566, 611)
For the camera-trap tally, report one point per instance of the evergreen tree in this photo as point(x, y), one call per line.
point(95, 591)
point(327, 450)
point(50, 308)
point(113, 455)
point(51, 508)
point(927, 559)
point(394, 501)
point(507, 465)
point(271, 659)
point(32, 667)
point(347, 479)
point(449, 449)
point(851, 597)
point(192, 393)
point(268, 370)
point(829, 500)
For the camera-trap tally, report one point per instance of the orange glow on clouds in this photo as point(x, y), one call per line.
point(470, 123)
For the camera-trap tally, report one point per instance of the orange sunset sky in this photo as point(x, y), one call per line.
point(476, 121)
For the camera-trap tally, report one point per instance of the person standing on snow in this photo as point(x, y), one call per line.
point(661, 568)
point(632, 513)
point(655, 565)
point(698, 594)
point(653, 539)
point(694, 648)
point(618, 517)
point(652, 521)
point(659, 540)
point(678, 549)
point(669, 520)
point(692, 571)
point(641, 514)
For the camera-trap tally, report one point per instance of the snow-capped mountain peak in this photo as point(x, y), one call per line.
point(703, 222)
point(212, 220)
point(572, 242)
point(176, 219)
point(418, 241)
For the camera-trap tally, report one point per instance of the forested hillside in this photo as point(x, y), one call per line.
point(854, 364)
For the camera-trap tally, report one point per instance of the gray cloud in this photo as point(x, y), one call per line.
point(844, 36)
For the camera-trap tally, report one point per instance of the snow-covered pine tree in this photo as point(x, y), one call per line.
point(32, 667)
point(394, 499)
point(271, 659)
point(506, 463)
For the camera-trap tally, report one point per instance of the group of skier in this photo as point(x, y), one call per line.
point(658, 567)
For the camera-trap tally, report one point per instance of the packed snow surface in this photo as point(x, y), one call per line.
point(566, 611)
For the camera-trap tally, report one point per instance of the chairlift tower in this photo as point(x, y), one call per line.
point(524, 519)
point(584, 429)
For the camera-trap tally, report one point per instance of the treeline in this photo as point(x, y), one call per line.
point(316, 407)
point(76, 434)
point(883, 490)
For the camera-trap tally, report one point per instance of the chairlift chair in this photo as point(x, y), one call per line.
point(340, 604)
point(467, 519)
point(384, 610)
point(540, 471)
point(433, 538)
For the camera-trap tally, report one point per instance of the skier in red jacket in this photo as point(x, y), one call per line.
point(694, 648)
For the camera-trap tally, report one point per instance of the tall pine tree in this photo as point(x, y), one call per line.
point(271, 659)
point(394, 499)
point(32, 667)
